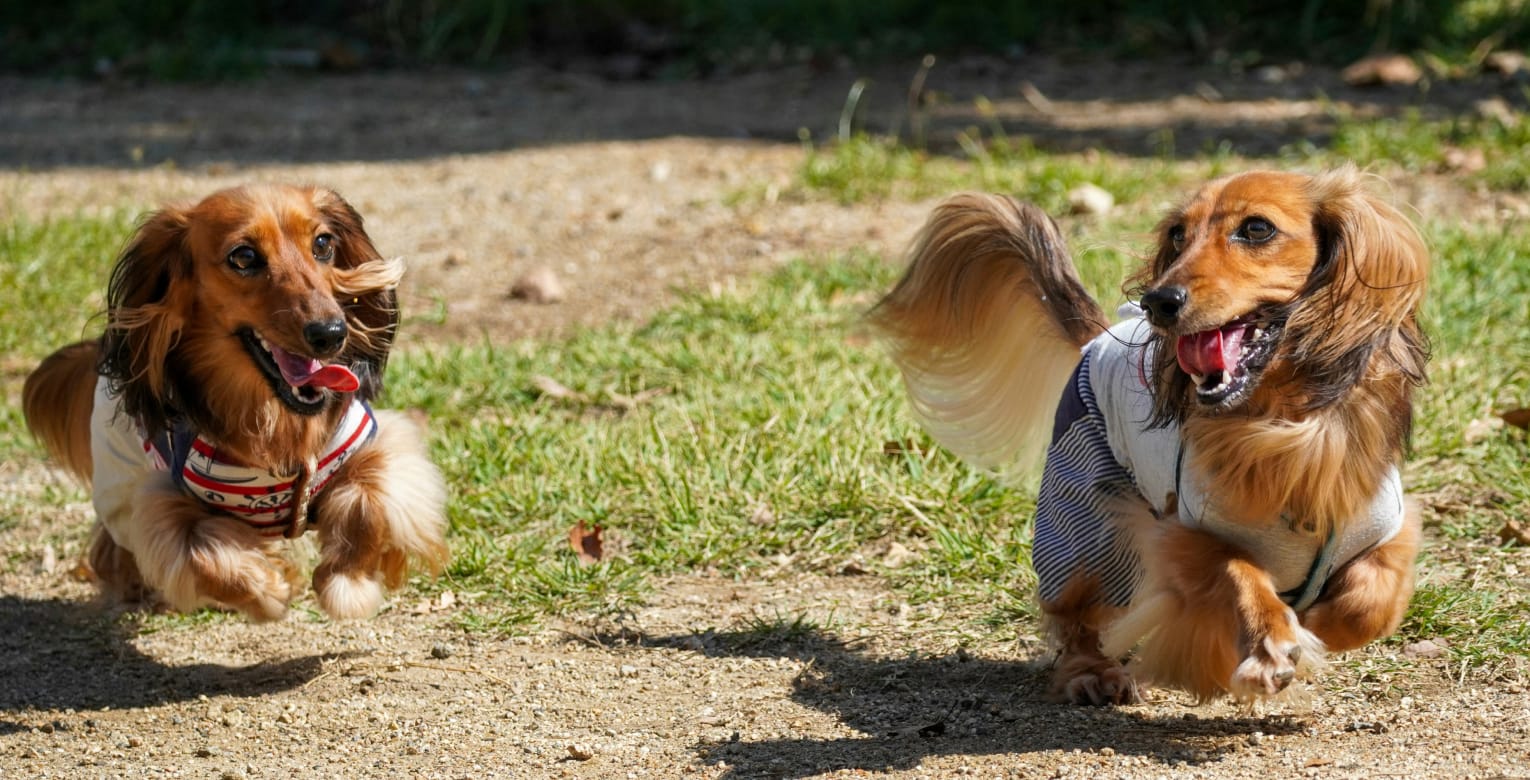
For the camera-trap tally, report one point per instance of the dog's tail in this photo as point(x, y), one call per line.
point(986, 326)
point(57, 400)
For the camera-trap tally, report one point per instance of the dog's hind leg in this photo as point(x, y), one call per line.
point(114, 568)
point(193, 558)
point(384, 508)
point(1084, 674)
point(1366, 599)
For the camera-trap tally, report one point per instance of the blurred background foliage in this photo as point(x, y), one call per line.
point(214, 39)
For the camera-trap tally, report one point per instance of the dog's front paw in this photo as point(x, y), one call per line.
point(1103, 685)
point(1274, 660)
point(348, 596)
point(245, 580)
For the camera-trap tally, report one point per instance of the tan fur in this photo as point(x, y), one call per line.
point(984, 350)
point(171, 352)
point(58, 396)
point(986, 326)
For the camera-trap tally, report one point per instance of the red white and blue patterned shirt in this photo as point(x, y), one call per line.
point(255, 495)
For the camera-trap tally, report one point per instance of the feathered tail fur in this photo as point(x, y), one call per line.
point(986, 326)
point(57, 400)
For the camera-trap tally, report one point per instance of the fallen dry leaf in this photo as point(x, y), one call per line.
point(586, 542)
point(1519, 418)
point(1383, 70)
point(1514, 532)
point(903, 447)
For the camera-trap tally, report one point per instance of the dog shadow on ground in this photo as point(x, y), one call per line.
point(909, 708)
point(60, 655)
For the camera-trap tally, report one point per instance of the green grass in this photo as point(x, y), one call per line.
point(754, 448)
point(867, 167)
point(770, 403)
point(1414, 143)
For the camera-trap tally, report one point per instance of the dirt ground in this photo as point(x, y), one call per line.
point(623, 189)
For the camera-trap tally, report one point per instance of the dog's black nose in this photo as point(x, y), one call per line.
point(325, 336)
point(1163, 305)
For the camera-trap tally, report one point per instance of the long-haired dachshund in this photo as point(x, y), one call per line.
point(1221, 489)
point(226, 407)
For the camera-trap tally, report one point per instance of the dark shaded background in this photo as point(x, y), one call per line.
point(211, 39)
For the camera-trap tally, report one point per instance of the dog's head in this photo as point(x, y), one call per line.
point(270, 296)
point(1278, 290)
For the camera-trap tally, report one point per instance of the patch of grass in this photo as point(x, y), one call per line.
point(763, 454)
point(866, 167)
point(52, 281)
point(1486, 148)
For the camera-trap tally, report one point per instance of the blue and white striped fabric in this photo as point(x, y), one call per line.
point(1082, 477)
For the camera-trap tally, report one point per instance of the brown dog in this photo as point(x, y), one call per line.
point(1221, 489)
point(226, 407)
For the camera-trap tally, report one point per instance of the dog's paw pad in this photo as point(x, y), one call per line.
point(348, 597)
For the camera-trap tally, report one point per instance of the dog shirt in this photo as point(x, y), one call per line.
point(1103, 451)
point(255, 495)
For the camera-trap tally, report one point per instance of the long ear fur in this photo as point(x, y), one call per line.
point(1358, 312)
point(145, 313)
point(366, 286)
point(986, 326)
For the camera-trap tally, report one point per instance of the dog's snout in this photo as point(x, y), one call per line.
point(1163, 304)
point(325, 337)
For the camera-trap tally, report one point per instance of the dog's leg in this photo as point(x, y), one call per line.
point(1084, 674)
point(194, 558)
point(1366, 599)
point(1217, 624)
point(115, 570)
point(383, 508)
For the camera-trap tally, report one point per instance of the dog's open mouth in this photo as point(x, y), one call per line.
point(1225, 363)
point(302, 383)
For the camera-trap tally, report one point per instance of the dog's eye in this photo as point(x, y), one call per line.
point(1177, 237)
point(324, 247)
point(245, 259)
point(1255, 230)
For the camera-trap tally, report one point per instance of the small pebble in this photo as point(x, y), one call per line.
point(540, 286)
point(1090, 199)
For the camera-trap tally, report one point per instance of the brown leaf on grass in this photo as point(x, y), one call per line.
point(1519, 418)
point(586, 542)
point(902, 447)
point(1514, 532)
point(552, 388)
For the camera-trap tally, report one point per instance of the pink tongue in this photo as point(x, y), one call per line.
point(303, 372)
point(1210, 350)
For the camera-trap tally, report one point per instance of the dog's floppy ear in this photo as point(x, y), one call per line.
point(366, 286)
point(1363, 295)
point(145, 312)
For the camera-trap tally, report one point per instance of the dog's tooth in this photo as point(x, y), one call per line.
point(1198, 378)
